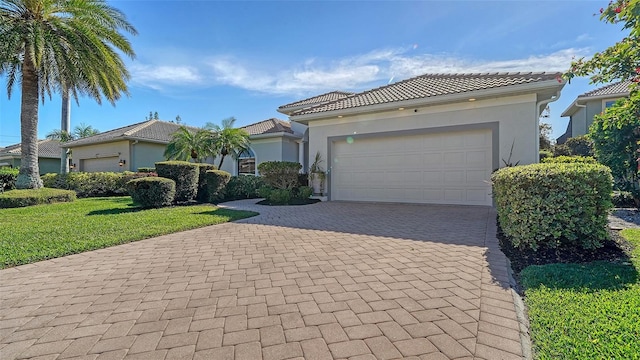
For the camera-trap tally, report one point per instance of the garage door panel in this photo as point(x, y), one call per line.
point(101, 164)
point(448, 168)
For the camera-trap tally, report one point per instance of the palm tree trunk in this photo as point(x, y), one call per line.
point(65, 125)
point(29, 175)
point(222, 155)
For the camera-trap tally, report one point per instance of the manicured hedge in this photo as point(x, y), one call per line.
point(185, 174)
point(304, 192)
point(152, 192)
point(280, 174)
point(243, 187)
point(29, 197)
point(146, 170)
point(216, 182)
point(93, 184)
point(8, 178)
point(203, 193)
point(279, 196)
point(570, 159)
point(553, 204)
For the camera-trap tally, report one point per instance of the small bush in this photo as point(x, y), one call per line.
point(580, 145)
point(304, 192)
point(185, 174)
point(93, 184)
point(264, 191)
point(203, 193)
point(280, 174)
point(570, 159)
point(622, 199)
point(29, 197)
point(544, 154)
point(8, 178)
point(146, 170)
point(561, 150)
point(216, 182)
point(551, 204)
point(243, 187)
point(152, 192)
point(279, 196)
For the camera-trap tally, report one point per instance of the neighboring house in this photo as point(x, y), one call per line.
point(313, 101)
point(124, 149)
point(590, 104)
point(49, 152)
point(434, 138)
point(271, 140)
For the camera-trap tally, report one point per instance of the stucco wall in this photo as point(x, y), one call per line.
point(46, 165)
point(269, 149)
point(119, 149)
point(145, 154)
point(516, 116)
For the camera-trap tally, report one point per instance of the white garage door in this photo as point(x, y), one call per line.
point(101, 164)
point(443, 168)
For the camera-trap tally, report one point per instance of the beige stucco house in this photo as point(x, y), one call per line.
point(49, 153)
point(123, 149)
point(434, 138)
point(590, 104)
point(271, 140)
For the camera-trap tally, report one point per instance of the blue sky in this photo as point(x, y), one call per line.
point(209, 60)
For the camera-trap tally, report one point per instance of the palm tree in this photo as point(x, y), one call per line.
point(229, 140)
point(66, 46)
point(83, 130)
point(61, 135)
point(186, 143)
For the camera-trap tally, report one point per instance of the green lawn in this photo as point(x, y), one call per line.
point(585, 311)
point(41, 232)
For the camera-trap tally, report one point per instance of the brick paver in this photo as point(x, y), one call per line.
point(329, 280)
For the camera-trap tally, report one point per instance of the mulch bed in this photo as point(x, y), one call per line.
point(614, 250)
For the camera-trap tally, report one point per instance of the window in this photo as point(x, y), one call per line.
point(608, 103)
point(247, 163)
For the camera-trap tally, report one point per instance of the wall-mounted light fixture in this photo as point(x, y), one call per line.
point(122, 162)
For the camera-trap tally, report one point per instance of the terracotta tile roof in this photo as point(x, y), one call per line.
point(269, 126)
point(320, 99)
point(429, 85)
point(152, 130)
point(618, 88)
point(46, 148)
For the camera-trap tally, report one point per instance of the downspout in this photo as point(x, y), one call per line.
point(539, 109)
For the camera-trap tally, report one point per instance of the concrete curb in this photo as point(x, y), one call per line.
point(521, 314)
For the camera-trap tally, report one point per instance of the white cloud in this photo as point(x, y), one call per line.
point(159, 76)
point(354, 73)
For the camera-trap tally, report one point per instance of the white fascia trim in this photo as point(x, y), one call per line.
point(272, 135)
point(478, 94)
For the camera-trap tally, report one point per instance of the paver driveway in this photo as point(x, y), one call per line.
point(330, 280)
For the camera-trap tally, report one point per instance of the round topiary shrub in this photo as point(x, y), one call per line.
point(553, 204)
point(152, 192)
point(185, 174)
point(279, 196)
point(216, 182)
point(570, 159)
point(203, 192)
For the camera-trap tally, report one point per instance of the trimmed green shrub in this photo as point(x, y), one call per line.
point(185, 174)
point(280, 174)
point(580, 145)
point(279, 196)
point(8, 178)
point(216, 182)
point(544, 154)
point(146, 170)
point(553, 204)
point(561, 150)
point(243, 187)
point(29, 197)
point(93, 184)
point(304, 192)
point(264, 191)
point(152, 192)
point(570, 159)
point(203, 193)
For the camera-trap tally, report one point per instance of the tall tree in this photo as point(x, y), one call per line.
point(67, 46)
point(616, 132)
point(83, 130)
point(229, 140)
point(190, 143)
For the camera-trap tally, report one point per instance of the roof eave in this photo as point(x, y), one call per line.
point(272, 135)
point(116, 139)
point(582, 100)
point(440, 99)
